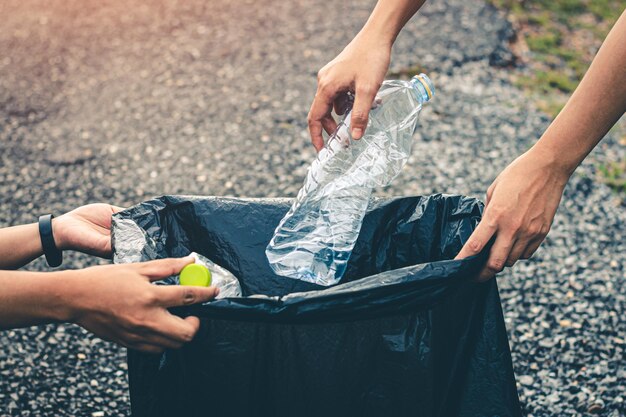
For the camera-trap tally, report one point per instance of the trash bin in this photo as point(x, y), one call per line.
point(406, 332)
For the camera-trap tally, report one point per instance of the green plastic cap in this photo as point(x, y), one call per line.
point(195, 275)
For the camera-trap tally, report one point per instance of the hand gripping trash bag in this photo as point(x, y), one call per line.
point(406, 332)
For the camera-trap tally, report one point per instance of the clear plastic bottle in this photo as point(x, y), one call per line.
point(313, 242)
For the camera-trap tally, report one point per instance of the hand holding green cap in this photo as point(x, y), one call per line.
point(195, 275)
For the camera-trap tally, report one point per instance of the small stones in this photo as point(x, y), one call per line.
point(526, 380)
point(595, 408)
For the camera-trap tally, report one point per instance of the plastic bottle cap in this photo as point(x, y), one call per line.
point(195, 275)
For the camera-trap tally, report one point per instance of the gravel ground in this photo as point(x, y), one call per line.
point(102, 102)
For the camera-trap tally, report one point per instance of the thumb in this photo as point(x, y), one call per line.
point(163, 268)
point(363, 99)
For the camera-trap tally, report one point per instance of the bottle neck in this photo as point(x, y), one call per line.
point(424, 87)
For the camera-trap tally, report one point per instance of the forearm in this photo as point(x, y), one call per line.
point(389, 17)
point(19, 245)
point(30, 298)
point(594, 107)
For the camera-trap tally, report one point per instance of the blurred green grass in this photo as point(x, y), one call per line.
point(561, 37)
point(614, 175)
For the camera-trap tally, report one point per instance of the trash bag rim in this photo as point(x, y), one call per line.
point(283, 200)
point(313, 305)
point(309, 307)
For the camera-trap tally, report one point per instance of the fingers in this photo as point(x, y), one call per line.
point(171, 331)
point(479, 238)
point(364, 97)
point(512, 251)
point(182, 295)
point(149, 337)
point(516, 252)
point(512, 244)
point(146, 347)
point(163, 268)
point(156, 344)
point(489, 193)
point(167, 332)
point(532, 247)
point(499, 251)
point(329, 124)
point(320, 113)
point(194, 322)
point(532, 236)
point(498, 256)
point(152, 344)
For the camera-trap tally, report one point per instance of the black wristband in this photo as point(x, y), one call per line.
point(54, 256)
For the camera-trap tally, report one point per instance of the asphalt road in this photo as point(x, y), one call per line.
point(119, 102)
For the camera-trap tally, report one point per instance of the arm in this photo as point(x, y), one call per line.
point(360, 69)
point(389, 17)
point(595, 106)
point(522, 201)
point(116, 302)
point(86, 229)
point(29, 298)
point(19, 245)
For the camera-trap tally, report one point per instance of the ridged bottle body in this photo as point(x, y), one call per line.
point(313, 242)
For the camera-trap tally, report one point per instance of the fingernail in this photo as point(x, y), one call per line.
point(357, 132)
point(217, 291)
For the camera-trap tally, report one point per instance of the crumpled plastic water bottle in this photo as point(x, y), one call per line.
point(313, 242)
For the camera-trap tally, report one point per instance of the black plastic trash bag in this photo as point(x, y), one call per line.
point(406, 333)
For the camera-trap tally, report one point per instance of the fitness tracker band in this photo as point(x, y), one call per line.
point(54, 256)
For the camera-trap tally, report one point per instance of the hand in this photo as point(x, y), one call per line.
point(118, 303)
point(86, 229)
point(520, 207)
point(359, 69)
